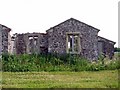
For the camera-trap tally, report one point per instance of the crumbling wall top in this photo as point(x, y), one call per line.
point(5, 28)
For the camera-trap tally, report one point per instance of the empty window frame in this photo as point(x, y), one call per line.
point(32, 45)
point(73, 43)
point(33, 40)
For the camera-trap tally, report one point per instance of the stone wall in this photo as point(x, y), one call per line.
point(107, 47)
point(88, 38)
point(20, 44)
point(9, 43)
point(55, 40)
point(31, 43)
point(4, 33)
point(0, 39)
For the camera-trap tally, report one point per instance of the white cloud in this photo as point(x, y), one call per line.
point(39, 15)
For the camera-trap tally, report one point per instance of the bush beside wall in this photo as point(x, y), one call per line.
point(54, 62)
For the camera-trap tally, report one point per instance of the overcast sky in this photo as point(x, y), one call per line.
point(24, 16)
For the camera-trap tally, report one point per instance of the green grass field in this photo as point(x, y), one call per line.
point(84, 79)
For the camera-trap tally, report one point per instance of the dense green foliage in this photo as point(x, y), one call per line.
point(54, 62)
point(117, 49)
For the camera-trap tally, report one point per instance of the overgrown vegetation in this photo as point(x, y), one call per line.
point(55, 62)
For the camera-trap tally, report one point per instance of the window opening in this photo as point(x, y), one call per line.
point(73, 43)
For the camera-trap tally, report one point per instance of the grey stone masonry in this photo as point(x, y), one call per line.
point(69, 37)
point(0, 39)
point(106, 47)
point(31, 43)
point(87, 34)
point(4, 39)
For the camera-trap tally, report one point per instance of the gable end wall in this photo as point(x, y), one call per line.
point(88, 38)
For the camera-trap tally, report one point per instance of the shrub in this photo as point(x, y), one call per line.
point(54, 62)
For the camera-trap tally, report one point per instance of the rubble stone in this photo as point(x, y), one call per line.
point(55, 40)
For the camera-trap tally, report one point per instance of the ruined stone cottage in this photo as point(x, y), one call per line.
point(71, 36)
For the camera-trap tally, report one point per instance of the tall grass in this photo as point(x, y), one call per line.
point(55, 62)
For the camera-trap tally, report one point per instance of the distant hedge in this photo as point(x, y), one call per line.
point(117, 49)
point(54, 62)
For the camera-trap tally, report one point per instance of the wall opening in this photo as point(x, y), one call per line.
point(33, 42)
point(73, 43)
